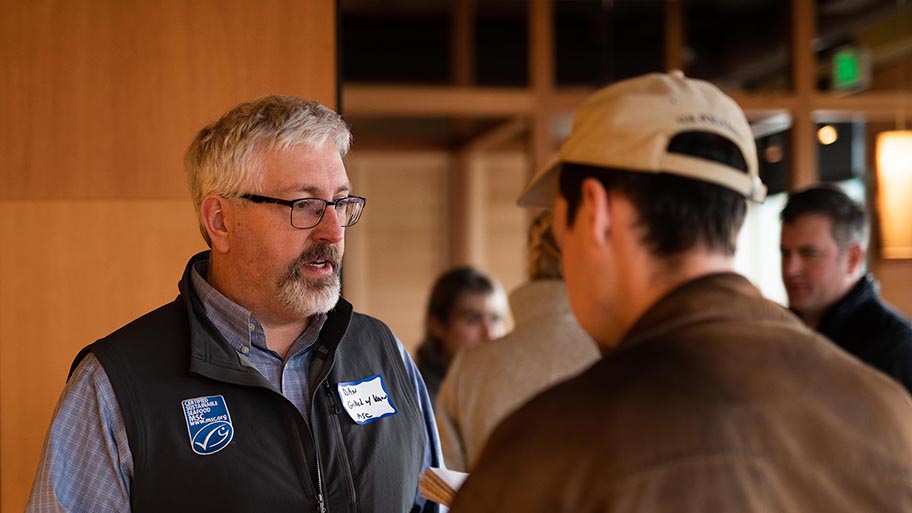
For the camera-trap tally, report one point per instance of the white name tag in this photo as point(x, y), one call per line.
point(366, 400)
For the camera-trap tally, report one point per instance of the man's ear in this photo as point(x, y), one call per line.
point(854, 258)
point(594, 208)
point(212, 215)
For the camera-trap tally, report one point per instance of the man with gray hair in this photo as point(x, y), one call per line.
point(258, 388)
point(823, 244)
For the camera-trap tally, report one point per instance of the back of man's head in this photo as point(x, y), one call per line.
point(544, 253)
point(848, 221)
point(679, 149)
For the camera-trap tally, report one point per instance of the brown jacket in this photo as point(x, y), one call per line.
point(716, 400)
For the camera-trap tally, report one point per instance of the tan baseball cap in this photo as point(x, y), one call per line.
point(629, 125)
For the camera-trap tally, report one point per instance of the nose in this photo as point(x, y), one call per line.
point(491, 329)
point(486, 331)
point(791, 265)
point(329, 229)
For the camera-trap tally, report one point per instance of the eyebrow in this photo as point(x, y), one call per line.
point(314, 191)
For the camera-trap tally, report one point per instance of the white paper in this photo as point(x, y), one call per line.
point(366, 400)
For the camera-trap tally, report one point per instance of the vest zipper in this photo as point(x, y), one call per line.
point(320, 498)
point(335, 408)
point(313, 397)
point(321, 503)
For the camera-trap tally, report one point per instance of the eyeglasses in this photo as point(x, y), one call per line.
point(308, 212)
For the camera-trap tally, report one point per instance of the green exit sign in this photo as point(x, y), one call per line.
point(851, 69)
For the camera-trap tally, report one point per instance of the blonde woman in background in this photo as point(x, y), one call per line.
point(487, 382)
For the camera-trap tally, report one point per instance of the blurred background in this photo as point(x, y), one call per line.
point(453, 104)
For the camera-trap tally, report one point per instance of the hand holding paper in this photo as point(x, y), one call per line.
point(440, 484)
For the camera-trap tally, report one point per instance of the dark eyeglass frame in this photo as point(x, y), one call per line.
point(256, 198)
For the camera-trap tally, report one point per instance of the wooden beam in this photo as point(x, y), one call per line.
point(674, 35)
point(467, 219)
point(541, 46)
point(462, 49)
point(396, 144)
point(875, 106)
point(475, 102)
point(541, 79)
point(754, 102)
point(497, 136)
point(568, 100)
point(467, 102)
point(804, 66)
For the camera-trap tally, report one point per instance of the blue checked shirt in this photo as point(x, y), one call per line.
point(86, 464)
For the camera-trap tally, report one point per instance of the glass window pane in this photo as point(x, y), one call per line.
point(739, 45)
point(398, 44)
point(601, 42)
point(501, 43)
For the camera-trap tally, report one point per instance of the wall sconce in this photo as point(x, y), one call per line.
point(894, 191)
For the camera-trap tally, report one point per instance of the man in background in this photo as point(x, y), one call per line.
point(487, 382)
point(709, 397)
point(823, 244)
point(258, 388)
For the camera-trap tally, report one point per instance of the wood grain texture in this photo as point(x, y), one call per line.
point(402, 242)
point(895, 277)
point(507, 224)
point(101, 98)
point(76, 270)
point(98, 101)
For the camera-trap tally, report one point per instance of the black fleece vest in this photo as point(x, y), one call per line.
point(270, 463)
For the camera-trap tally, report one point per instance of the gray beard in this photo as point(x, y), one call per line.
point(308, 297)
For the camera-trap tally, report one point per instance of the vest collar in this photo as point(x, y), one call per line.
point(211, 355)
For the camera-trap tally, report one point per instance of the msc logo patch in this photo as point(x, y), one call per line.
point(208, 424)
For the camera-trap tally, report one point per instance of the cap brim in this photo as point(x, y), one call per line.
point(544, 187)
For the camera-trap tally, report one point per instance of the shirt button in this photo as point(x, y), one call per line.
point(245, 349)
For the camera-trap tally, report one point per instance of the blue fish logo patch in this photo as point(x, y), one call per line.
point(208, 423)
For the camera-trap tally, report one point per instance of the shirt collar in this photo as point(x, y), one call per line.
point(237, 324)
point(234, 322)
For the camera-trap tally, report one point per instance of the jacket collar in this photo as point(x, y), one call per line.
point(865, 290)
point(712, 297)
point(539, 299)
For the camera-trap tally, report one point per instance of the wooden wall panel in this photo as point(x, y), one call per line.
point(101, 98)
point(507, 224)
point(895, 277)
point(98, 101)
point(401, 243)
point(71, 272)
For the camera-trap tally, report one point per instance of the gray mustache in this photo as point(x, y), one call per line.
point(322, 252)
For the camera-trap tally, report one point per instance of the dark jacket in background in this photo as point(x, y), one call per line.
point(433, 364)
point(716, 400)
point(862, 324)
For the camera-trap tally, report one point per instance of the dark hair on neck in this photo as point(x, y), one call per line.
point(675, 214)
point(848, 219)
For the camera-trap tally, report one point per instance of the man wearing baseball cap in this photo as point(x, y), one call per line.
point(709, 397)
